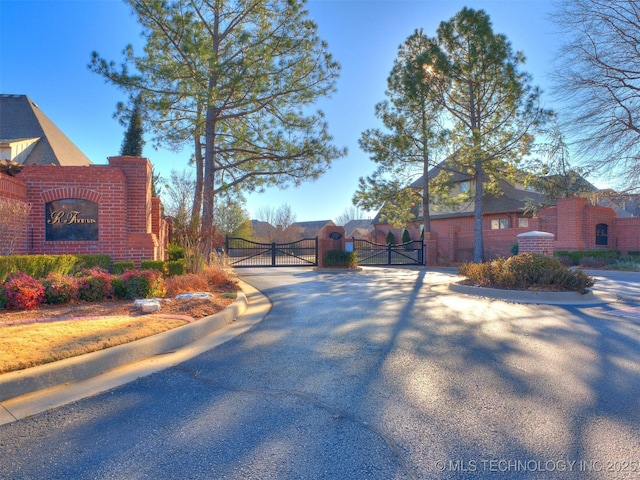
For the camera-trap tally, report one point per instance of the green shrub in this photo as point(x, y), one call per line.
point(22, 292)
point(94, 285)
point(575, 256)
point(391, 238)
point(595, 262)
point(87, 262)
point(176, 267)
point(121, 267)
point(338, 258)
point(633, 255)
point(143, 284)
point(527, 271)
point(117, 284)
point(158, 265)
point(628, 264)
point(59, 288)
point(175, 252)
point(406, 238)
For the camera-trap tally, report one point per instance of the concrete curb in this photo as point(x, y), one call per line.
point(22, 382)
point(520, 296)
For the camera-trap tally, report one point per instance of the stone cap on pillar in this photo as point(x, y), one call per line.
point(536, 234)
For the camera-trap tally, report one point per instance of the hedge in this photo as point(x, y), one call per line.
point(121, 267)
point(39, 266)
point(158, 265)
point(575, 256)
point(338, 258)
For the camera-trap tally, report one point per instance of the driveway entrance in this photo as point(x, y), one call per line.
point(247, 253)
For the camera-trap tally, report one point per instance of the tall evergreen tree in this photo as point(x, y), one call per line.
point(408, 146)
point(238, 79)
point(491, 105)
point(133, 142)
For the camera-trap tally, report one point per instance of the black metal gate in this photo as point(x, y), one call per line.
point(246, 253)
point(369, 253)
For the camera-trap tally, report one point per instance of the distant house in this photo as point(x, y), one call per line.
point(263, 231)
point(363, 229)
point(509, 213)
point(308, 229)
point(28, 137)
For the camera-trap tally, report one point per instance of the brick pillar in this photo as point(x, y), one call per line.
point(430, 248)
point(536, 242)
point(142, 243)
point(137, 171)
point(570, 222)
point(330, 238)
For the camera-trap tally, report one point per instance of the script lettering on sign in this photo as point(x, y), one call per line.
point(68, 218)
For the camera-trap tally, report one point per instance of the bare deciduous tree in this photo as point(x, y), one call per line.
point(598, 74)
point(13, 223)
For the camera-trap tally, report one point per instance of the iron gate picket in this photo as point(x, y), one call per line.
point(247, 253)
point(370, 253)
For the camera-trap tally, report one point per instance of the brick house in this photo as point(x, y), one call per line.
point(75, 206)
point(575, 223)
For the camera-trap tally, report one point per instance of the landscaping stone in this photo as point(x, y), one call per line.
point(148, 305)
point(196, 295)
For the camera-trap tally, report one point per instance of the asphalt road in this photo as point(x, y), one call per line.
point(381, 374)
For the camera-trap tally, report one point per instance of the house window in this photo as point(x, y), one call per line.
point(465, 186)
point(523, 222)
point(602, 234)
point(499, 223)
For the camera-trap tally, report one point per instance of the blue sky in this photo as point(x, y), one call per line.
point(45, 46)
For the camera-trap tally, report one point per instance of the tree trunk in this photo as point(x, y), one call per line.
point(478, 241)
point(426, 218)
point(206, 227)
point(196, 209)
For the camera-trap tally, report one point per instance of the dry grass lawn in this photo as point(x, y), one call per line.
point(55, 332)
point(28, 345)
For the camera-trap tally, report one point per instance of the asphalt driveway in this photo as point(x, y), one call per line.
point(380, 374)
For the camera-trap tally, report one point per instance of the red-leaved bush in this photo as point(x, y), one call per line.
point(59, 288)
point(94, 285)
point(22, 292)
point(143, 284)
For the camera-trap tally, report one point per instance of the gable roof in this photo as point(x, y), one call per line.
point(510, 199)
point(22, 121)
point(359, 226)
point(312, 228)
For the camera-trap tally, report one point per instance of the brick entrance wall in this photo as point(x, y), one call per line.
point(129, 223)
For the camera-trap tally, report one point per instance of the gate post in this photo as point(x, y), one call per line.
point(430, 248)
point(273, 254)
point(331, 237)
point(536, 242)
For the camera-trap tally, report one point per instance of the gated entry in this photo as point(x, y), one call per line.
point(369, 253)
point(245, 253)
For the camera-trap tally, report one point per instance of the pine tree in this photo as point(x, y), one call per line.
point(133, 142)
point(491, 105)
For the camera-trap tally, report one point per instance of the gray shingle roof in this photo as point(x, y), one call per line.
point(21, 118)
